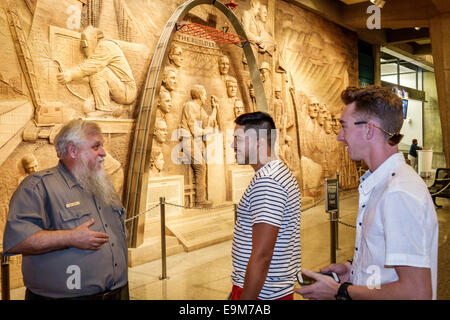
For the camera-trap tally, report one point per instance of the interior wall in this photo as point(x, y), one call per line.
point(413, 125)
point(432, 120)
point(310, 61)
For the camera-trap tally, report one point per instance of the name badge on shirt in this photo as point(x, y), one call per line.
point(72, 204)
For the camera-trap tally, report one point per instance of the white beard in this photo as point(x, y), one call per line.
point(95, 181)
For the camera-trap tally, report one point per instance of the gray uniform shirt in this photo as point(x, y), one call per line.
point(52, 200)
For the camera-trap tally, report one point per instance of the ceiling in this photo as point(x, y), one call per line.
point(352, 1)
point(404, 23)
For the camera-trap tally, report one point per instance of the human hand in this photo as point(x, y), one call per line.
point(64, 77)
point(342, 270)
point(83, 238)
point(325, 288)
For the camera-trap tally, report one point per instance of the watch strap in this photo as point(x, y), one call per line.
point(342, 293)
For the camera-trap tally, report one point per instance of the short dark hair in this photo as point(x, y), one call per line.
point(258, 120)
point(379, 103)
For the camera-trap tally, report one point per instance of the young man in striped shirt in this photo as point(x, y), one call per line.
point(266, 242)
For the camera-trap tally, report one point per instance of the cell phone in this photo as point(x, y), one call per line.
point(304, 280)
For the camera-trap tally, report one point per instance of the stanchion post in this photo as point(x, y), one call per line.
point(5, 277)
point(332, 207)
point(162, 202)
point(333, 236)
point(337, 212)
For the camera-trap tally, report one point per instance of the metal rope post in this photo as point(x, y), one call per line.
point(333, 235)
point(332, 207)
point(162, 203)
point(5, 277)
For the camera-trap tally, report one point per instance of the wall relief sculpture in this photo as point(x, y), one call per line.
point(92, 63)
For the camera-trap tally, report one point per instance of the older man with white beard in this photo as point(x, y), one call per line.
point(68, 223)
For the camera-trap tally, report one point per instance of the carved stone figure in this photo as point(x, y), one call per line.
point(323, 110)
point(335, 123)
point(286, 152)
point(267, 43)
point(264, 70)
point(195, 125)
point(169, 80)
point(224, 65)
point(156, 161)
point(313, 109)
point(328, 123)
point(250, 23)
point(164, 104)
point(238, 108)
point(278, 110)
point(160, 132)
point(109, 73)
point(175, 56)
point(29, 164)
point(231, 84)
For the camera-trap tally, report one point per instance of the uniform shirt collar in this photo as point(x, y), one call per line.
point(371, 179)
point(67, 176)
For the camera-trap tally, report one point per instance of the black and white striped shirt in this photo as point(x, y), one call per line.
point(272, 197)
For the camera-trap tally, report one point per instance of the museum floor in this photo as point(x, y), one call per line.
point(204, 274)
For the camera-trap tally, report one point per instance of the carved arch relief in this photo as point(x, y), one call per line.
point(140, 160)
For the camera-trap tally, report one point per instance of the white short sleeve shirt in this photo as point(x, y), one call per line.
point(396, 225)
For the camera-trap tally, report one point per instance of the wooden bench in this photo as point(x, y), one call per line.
point(441, 185)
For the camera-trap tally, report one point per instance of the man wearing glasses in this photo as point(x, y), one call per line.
point(396, 241)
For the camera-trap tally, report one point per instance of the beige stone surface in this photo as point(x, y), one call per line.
point(301, 56)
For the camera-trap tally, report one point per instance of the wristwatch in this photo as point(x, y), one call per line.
point(342, 293)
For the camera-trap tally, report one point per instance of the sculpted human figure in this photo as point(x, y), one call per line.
point(264, 70)
point(278, 110)
point(169, 80)
point(323, 110)
point(313, 109)
point(160, 132)
point(238, 108)
point(328, 123)
point(232, 86)
point(286, 152)
point(110, 75)
point(156, 161)
point(29, 164)
point(195, 125)
point(175, 56)
point(164, 103)
point(267, 43)
point(224, 65)
point(335, 123)
point(250, 23)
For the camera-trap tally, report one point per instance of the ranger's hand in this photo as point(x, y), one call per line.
point(83, 238)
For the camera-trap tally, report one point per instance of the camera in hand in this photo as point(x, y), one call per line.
point(304, 280)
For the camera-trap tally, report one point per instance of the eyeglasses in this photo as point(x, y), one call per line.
point(394, 137)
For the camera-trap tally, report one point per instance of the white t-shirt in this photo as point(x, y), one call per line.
point(396, 225)
point(272, 197)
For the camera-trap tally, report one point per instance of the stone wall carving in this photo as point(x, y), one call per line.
point(305, 62)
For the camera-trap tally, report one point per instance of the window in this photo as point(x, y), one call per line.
point(400, 72)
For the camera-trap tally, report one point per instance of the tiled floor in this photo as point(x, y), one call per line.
point(205, 273)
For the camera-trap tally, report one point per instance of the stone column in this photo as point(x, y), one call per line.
point(440, 33)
